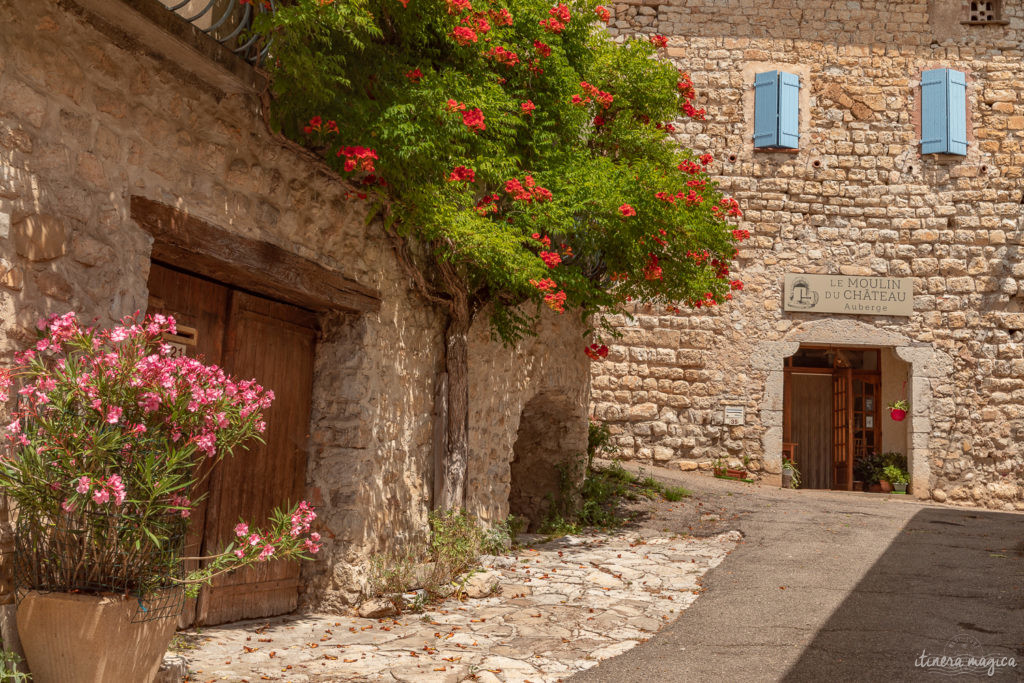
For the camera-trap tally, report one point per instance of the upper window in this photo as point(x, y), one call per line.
point(776, 110)
point(984, 12)
point(944, 112)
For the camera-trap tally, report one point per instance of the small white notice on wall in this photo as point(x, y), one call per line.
point(734, 415)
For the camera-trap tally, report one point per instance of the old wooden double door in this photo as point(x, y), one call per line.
point(250, 337)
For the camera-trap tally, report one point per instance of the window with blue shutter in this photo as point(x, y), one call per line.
point(776, 110)
point(943, 112)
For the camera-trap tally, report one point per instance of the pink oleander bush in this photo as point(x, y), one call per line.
point(101, 459)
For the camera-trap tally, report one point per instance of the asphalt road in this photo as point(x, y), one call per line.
point(833, 586)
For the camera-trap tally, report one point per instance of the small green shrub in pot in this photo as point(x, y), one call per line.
point(896, 476)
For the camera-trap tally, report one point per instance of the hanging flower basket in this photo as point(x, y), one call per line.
point(898, 410)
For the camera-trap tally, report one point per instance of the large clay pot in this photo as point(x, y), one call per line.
point(72, 638)
point(886, 486)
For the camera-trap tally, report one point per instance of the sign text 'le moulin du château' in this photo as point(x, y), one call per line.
point(849, 294)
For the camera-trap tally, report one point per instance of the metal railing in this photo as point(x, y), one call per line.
point(226, 21)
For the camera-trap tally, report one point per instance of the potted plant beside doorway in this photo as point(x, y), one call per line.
point(100, 461)
point(790, 475)
point(897, 477)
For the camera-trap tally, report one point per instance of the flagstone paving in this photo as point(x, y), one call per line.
point(561, 607)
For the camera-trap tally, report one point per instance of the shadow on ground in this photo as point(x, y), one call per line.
point(950, 584)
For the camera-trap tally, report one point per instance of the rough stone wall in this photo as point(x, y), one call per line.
point(87, 121)
point(858, 198)
point(543, 399)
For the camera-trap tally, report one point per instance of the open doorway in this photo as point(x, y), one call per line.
point(832, 411)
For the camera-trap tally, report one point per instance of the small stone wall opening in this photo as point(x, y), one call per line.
point(546, 463)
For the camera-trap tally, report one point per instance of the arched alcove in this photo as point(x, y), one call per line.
point(547, 457)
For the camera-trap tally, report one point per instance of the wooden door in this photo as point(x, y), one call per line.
point(251, 337)
point(200, 308)
point(274, 343)
point(811, 427)
point(842, 406)
point(867, 423)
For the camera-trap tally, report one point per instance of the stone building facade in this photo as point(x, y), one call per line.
point(110, 110)
point(856, 199)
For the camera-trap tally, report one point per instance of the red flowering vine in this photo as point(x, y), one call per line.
point(358, 157)
point(558, 19)
point(464, 35)
point(503, 56)
point(462, 174)
point(474, 119)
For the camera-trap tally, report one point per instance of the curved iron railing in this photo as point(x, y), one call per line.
point(226, 21)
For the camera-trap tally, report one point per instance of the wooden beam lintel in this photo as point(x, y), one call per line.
point(192, 244)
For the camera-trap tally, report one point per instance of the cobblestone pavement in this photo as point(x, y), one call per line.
point(560, 607)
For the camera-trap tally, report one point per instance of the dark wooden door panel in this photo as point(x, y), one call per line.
point(842, 417)
point(202, 306)
point(273, 343)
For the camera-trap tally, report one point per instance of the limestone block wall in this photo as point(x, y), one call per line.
point(857, 198)
point(89, 118)
point(532, 402)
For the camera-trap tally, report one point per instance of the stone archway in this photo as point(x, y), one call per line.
point(927, 367)
point(546, 457)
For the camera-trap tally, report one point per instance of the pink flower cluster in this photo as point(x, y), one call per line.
point(102, 490)
point(264, 546)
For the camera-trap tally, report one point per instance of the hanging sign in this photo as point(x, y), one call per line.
point(858, 295)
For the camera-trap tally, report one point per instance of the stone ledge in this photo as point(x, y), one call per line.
point(149, 27)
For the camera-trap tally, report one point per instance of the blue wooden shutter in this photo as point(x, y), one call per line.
point(956, 94)
point(766, 109)
point(943, 112)
point(789, 110)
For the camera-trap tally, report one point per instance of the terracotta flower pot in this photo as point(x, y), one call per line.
point(886, 486)
point(897, 414)
point(69, 638)
point(738, 474)
point(874, 488)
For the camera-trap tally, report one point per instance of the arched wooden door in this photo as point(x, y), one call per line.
point(251, 337)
